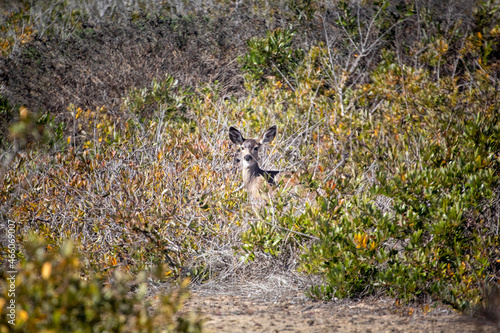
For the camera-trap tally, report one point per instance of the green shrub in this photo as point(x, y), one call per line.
point(271, 55)
point(435, 238)
point(415, 217)
point(51, 294)
point(161, 95)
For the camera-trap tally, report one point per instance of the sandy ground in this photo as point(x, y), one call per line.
point(297, 313)
point(268, 295)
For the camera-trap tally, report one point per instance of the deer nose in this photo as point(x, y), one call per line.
point(248, 158)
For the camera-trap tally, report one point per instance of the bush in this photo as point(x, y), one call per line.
point(414, 216)
point(51, 294)
point(271, 55)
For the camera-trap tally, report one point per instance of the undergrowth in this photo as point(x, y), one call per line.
point(387, 112)
point(50, 301)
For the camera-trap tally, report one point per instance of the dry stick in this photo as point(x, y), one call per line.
point(345, 156)
point(309, 111)
point(332, 66)
point(7, 158)
point(363, 48)
point(292, 231)
point(292, 137)
point(283, 76)
point(317, 157)
point(296, 134)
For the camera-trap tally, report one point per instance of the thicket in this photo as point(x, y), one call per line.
point(56, 297)
point(388, 110)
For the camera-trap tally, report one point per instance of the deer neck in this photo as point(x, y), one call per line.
point(251, 175)
point(253, 180)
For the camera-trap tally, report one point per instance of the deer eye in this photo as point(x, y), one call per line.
point(256, 148)
point(242, 148)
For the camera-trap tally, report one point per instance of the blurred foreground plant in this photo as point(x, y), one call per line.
point(52, 295)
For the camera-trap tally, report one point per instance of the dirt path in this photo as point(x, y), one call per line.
point(233, 314)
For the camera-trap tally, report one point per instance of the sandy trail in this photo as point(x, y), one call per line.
point(297, 313)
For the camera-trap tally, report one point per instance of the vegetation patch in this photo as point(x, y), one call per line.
point(117, 139)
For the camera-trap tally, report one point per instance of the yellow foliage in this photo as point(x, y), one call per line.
point(361, 240)
point(46, 270)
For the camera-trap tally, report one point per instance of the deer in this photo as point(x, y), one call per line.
point(255, 179)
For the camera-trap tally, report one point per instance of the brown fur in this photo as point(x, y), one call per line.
point(259, 183)
point(254, 178)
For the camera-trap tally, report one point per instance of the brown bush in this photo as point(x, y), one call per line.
point(96, 65)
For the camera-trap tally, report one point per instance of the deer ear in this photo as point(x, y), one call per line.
point(235, 136)
point(268, 135)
